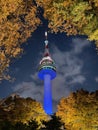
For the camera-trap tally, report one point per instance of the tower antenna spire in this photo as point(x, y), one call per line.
point(46, 53)
point(46, 35)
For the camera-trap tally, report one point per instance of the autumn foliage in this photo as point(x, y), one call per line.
point(72, 16)
point(79, 111)
point(17, 109)
point(19, 18)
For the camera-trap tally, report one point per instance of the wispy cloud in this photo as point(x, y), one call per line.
point(29, 89)
point(96, 79)
point(69, 68)
point(79, 45)
point(69, 73)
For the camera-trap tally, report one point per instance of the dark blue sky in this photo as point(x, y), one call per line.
point(76, 60)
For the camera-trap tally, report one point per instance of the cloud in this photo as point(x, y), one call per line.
point(29, 89)
point(69, 68)
point(96, 79)
point(69, 73)
point(79, 44)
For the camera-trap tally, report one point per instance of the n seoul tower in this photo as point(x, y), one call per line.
point(47, 72)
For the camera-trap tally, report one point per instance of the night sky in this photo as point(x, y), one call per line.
point(76, 60)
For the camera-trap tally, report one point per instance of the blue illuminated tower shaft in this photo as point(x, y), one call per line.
point(47, 73)
point(47, 94)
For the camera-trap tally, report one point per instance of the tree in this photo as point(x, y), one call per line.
point(33, 125)
point(18, 19)
point(72, 16)
point(16, 109)
point(53, 124)
point(79, 110)
point(20, 126)
point(6, 125)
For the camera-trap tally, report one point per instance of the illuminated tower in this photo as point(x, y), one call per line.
point(47, 72)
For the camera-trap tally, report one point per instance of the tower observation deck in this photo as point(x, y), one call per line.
point(47, 72)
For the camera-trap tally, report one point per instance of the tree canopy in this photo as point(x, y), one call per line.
point(54, 123)
point(7, 125)
point(72, 16)
point(79, 110)
point(16, 109)
point(19, 18)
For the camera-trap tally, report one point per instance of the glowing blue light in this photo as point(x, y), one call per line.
point(47, 94)
point(47, 74)
point(46, 70)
